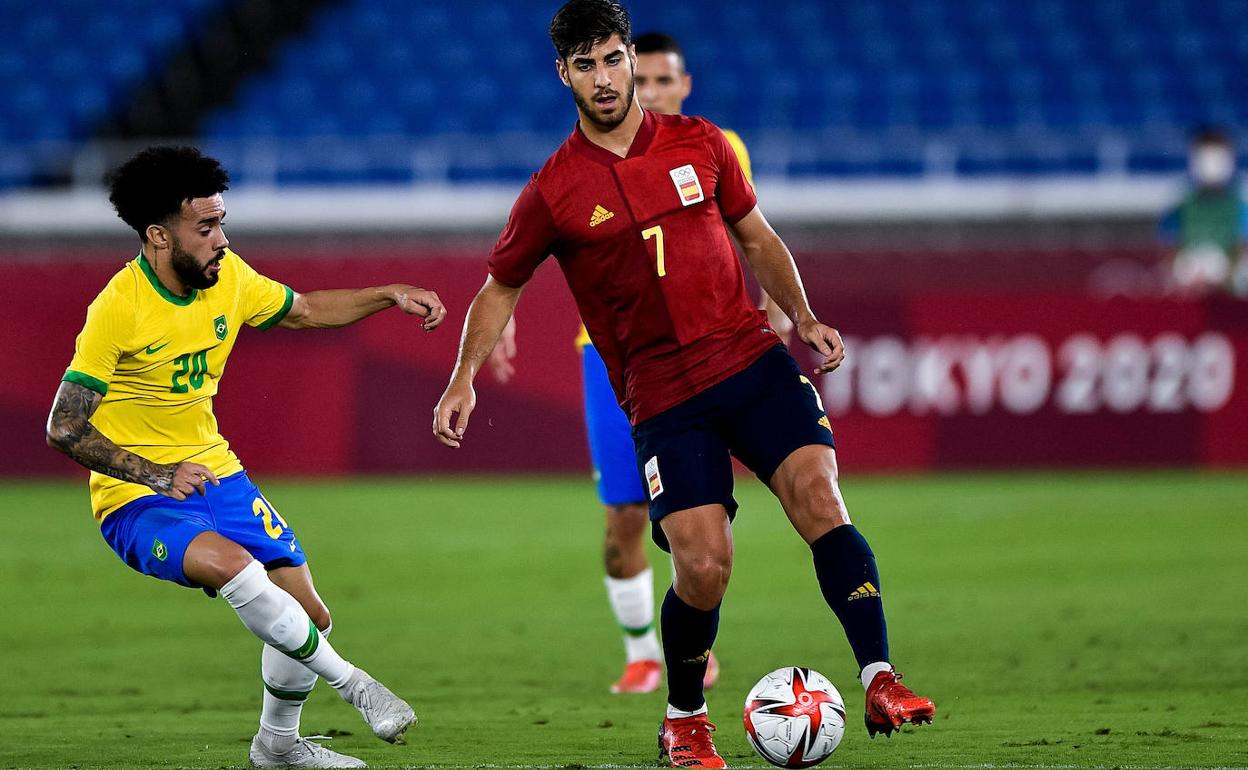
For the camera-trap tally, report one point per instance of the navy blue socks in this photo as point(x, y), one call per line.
point(688, 634)
point(850, 582)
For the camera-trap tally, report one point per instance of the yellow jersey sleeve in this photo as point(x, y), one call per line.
point(743, 155)
point(263, 301)
point(104, 338)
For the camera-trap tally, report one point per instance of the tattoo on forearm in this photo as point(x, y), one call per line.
point(71, 431)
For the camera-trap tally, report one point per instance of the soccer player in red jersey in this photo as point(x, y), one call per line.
point(662, 85)
point(637, 208)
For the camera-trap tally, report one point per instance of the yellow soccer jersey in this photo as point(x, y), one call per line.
point(743, 157)
point(157, 358)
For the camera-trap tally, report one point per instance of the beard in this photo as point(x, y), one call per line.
point(591, 111)
point(190, 272)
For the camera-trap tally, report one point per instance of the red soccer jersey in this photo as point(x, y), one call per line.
point(643, 245)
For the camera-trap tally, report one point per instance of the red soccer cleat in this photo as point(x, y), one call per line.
point(687, 743)
point(712, 672)
point(890, 704)
point(639, 676)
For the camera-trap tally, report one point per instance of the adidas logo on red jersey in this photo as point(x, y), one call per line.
point(599, 216)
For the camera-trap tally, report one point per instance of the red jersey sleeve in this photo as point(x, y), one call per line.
point(525, 241)
point(735, 195)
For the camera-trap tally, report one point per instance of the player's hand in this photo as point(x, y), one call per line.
point(504, 352)
point(419, 302)
point(461, 399)
point(185, 479)
point(825, 341)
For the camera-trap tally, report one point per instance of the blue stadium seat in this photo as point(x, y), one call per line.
point(69, 64)
point(1004, 87)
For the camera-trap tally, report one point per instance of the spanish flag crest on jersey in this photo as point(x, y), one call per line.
point(687, 185)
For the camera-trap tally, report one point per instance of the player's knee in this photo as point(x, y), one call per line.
point(222, 566)
point(704, 578)
point(817, 494)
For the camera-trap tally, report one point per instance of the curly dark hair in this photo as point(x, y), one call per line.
point(150, 188)
point(581, 24)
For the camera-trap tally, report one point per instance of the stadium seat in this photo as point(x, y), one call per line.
point(71, 64)
point(931, 70)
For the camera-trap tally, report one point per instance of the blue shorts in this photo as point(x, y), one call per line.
point(759, 415)
point(151, 534)
point(610, 436)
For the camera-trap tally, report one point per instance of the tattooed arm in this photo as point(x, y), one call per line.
point(70, 431)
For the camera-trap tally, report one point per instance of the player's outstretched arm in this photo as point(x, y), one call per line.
point(331, 308)
point(71, 432)
point(487, 317)
point(773, 265)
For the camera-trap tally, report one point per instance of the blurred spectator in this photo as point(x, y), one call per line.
point(1207, 228)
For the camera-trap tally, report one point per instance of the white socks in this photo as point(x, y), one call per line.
point(287, 684)
point(871, 670)
point(632, 601)
point(278, 620)
point(675, 713)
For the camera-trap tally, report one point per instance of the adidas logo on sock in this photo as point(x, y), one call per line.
point(599, 216)
point(864, 591)
point(703, 658)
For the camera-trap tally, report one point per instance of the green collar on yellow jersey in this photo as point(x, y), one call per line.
point(160, 287)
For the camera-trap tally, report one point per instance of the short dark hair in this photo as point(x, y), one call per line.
point(150, 188)
point(1211, 135)
point(581, 24)
point(657, 42)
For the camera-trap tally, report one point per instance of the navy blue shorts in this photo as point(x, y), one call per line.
point(759, 415)
point(151, 534)
point(610, 436)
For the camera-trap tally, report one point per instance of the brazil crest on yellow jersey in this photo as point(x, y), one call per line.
point(157, 359)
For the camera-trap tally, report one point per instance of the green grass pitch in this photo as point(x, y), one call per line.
point(1058, 620)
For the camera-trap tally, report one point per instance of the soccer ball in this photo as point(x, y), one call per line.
point(794, 717)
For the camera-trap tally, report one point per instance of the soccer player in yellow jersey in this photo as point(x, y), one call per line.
point(662, 84)
point(171, 498)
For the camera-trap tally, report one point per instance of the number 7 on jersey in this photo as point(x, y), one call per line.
point(656, 232)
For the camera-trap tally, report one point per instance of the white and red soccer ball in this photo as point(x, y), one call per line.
point(794, 717)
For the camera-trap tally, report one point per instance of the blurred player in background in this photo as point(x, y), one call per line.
point(1208, 229)
point(637, 207)
point(662, 85)
point(171, 498)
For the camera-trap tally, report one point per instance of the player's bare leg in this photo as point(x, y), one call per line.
point(624, 551)
point(701, 543)
point(281, 621)
point(806, 484)
point(630, 588)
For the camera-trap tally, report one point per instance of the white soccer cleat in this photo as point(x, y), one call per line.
point(386, 713)
point(304, 753)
